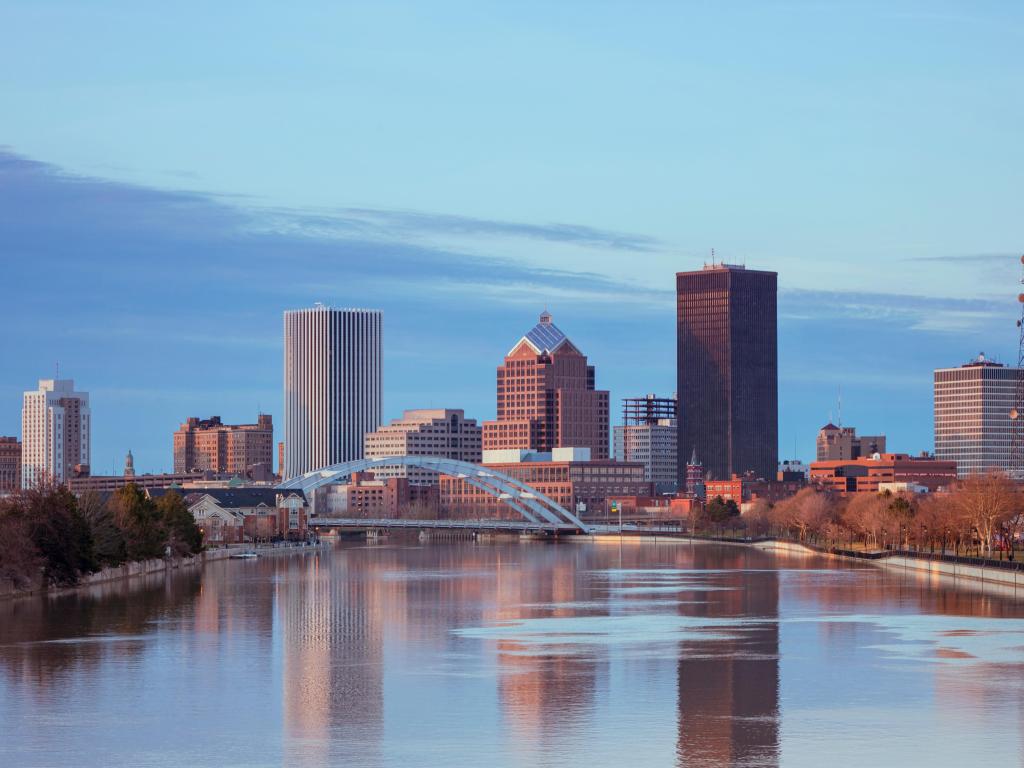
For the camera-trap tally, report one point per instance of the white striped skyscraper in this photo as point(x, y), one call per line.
point(332, 385)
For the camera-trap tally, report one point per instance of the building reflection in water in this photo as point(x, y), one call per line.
point(729, 688)
point(332, 628)
point(543, 697)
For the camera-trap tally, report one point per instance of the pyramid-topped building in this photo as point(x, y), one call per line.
point(546, 397)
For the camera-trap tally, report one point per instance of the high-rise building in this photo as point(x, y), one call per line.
point(10, 464)
point(648, 435)
point(332, 385)
point(442, 432)
point(546, 397)
point(836, 443)
point(972, 415)
point(55, 433)
point(208, 445)
point(727, 368)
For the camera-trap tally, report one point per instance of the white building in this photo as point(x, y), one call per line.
point(332, 385)
point(972, 415)
point(55, 429)
point(648, 435)
point(442, 432)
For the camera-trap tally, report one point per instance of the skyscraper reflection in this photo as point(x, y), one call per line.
point(729, 688)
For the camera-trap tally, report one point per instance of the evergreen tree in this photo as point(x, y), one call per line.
point(184, 535)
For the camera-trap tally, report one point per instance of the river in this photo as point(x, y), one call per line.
point(515, 654)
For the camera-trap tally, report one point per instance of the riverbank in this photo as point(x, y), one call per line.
point(153, 566)
point(953, 568)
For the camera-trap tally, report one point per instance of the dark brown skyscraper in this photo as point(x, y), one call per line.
point(727, 368)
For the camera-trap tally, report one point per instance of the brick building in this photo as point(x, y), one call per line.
point(835, 443)
point(866, 474)
point(567, 476)
point(10, 464)
point(546, 397)
point(366, 496)
point(210, 445)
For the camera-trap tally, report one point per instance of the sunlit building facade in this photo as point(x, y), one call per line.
point(332, 385)
point(972, 415)
point(55, 429)
point(547, 397)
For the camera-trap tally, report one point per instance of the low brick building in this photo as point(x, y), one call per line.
point(10, 464)
point(866, 474)
point(566, 475)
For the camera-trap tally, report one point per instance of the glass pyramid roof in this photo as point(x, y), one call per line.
point(545, 336)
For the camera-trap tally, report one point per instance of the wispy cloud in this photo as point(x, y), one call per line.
point(403, 224)
point(968, 258)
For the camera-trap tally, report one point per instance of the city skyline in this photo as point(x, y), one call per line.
point(173, 209)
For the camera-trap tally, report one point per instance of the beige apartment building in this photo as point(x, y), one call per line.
point(442, 432)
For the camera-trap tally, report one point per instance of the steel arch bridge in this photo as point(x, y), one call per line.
point(533, 505)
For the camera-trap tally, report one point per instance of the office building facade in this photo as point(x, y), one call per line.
point(649, 435)
point(546, 397)
point(727, 369)
point(332, 385)
point(972, 416)
point(55, 432)
point(836, 443)
point(442, 432)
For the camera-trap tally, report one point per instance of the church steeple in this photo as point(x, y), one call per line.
point(129, 465)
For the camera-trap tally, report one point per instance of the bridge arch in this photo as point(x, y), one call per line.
point(533, 505)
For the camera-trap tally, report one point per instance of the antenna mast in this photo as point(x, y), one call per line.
point(1017, 412)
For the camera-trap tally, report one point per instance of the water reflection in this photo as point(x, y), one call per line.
point(527, 654)
point(729, 689)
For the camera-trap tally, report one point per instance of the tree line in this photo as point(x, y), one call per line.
point(49, 531)
point(981, 515)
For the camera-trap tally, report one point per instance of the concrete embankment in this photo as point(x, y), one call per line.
point(940, 569)
point(936, 569)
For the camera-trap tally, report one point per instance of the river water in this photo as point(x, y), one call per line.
point(516, 654)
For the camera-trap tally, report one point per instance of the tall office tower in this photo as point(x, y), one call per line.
point(648, 435)
point(10, 464)
point(441, 432)
point(210, 445)
point(727, 368)
point(546, 397)
point(55, 432)
point(972, 416)
point(332, 385)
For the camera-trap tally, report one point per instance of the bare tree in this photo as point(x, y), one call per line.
point(986, 503)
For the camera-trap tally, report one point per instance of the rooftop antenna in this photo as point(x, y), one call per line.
point(840, 406)
point(1017, 412)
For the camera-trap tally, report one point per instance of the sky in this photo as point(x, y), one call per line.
point(173, 177)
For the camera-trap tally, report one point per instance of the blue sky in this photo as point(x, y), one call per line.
point(173, 177)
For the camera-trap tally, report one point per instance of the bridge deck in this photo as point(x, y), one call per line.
point(521, 526)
